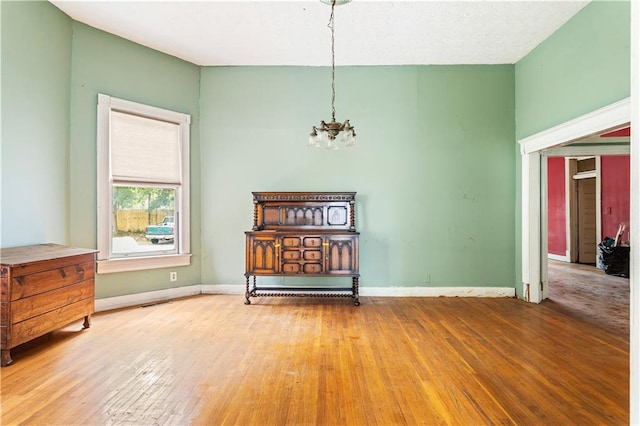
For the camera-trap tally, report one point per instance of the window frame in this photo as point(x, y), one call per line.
point(105, 262)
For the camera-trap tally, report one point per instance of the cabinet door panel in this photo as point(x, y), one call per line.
point(262, 254)
point(342, 255)
point(272, 215)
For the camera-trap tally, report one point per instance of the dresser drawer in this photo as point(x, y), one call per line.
point(291, 268)
point(33, 306)
point(312, 268)
point(45, 281)
point(312, 242)
point(29, 268)
point(291, 255)
point(291, 242)
point(37, 326)
point(312, 255)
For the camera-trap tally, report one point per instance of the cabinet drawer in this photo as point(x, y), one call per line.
point(42, 282)
point(312, 242)
point(291, 242)
point(30, 268)
point(41, 324)
point(291, 268)
point(29, 307)
point(312, 268)
point(312, 255)
point(291, 255)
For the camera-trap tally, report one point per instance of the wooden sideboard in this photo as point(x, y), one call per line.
point(303, 234)
point(43, 287)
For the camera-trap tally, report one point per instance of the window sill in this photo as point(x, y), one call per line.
point(142, 263)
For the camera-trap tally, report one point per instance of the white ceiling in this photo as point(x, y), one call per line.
point(264, 32)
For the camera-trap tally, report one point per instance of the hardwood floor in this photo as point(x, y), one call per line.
point(587, 293)
point(211, 360)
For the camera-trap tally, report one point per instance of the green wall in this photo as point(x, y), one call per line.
point(583, 66)
point(433, 171)
point(36, 60)
point(103, 63)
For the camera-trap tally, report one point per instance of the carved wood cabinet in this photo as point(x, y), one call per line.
point(307, 234)
point(43, 287)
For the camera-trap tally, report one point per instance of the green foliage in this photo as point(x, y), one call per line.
point(131, 197)
point(136, 197)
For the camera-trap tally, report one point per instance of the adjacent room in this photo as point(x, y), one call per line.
point(313, 211)
point(588, 206)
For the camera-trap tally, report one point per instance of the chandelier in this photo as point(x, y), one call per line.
point(327, 133)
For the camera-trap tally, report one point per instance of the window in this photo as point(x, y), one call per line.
point(143, 186)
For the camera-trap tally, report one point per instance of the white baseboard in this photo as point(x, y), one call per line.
point(223, 289)
point(138, 299)
point(117, 302)
point(558, 257)
point(438, 291)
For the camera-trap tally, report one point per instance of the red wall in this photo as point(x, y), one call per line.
point(615, 194)
point(557, 239)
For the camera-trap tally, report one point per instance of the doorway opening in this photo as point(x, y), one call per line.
point(569, 139)
point(584, 199)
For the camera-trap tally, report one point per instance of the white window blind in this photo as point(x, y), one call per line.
point(144, 149)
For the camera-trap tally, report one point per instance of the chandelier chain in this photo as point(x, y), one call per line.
point(331, 133)
point(333, 62)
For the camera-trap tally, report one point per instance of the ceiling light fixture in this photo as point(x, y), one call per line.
point(327, 133)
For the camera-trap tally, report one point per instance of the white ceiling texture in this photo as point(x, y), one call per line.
point(368, 32)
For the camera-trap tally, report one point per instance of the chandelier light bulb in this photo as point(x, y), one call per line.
point(314, 138)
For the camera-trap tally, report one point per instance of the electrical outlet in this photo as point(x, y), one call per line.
point(173, 276)
point(427, 279)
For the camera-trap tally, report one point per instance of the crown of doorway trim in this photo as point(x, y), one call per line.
point(606, 118)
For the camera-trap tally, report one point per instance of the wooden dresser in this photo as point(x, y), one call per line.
point(43, 287)
point(303, 234)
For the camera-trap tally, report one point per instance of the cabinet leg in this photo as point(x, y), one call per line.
point(87, 322)
point(356, 291)
point(5, 358)
point(246, 294)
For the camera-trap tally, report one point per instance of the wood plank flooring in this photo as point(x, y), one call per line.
point(211, 360)
point(587, 293)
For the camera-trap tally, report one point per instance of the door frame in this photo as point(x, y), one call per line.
point(552, 142)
